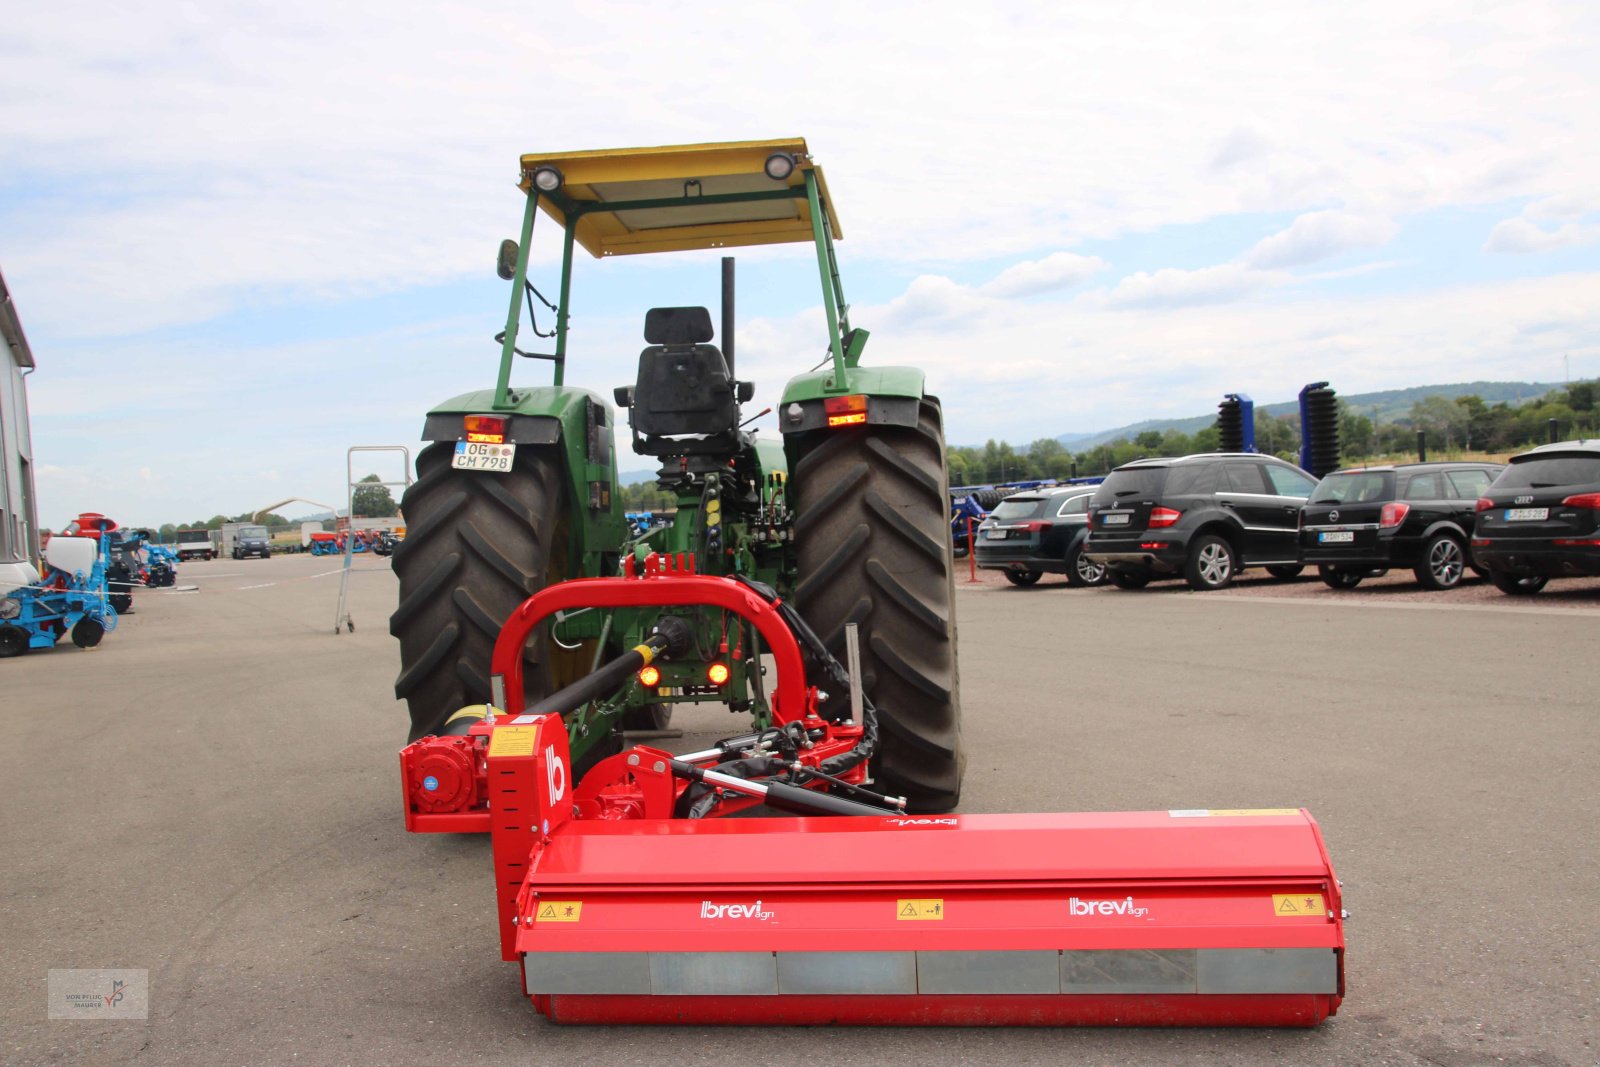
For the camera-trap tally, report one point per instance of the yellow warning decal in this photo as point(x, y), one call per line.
point(513, 741)
point(1296, 905)
point(919, 909)
point(558, 911)
point(1255, 811)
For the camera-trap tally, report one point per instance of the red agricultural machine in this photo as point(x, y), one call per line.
point(816, 603)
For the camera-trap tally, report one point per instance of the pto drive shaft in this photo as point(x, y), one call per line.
point(670, 636)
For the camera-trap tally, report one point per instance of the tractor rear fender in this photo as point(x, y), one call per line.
point(893, 395)
point(579, 421)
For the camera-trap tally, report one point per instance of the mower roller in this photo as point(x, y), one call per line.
point(535, 628)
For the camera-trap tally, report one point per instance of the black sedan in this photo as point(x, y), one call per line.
point(1419, 516)
point(1039, 532)
point(1541, 518)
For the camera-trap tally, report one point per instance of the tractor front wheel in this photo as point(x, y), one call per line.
point(477, 545)
point(872, 531)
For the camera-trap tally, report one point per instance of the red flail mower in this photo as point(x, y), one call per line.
point(626, 898)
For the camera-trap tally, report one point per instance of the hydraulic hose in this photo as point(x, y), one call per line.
point(780, 795)
point(823, 663)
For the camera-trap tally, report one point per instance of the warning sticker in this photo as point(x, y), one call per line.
point(559, 911)
point(1296, 905)
point(513, 741)
point(919, 909)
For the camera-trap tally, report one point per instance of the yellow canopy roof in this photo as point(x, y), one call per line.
point(680, 173)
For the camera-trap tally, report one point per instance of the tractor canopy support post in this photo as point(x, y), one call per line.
point(830, 282)
point(502, 388)
point(561, 304)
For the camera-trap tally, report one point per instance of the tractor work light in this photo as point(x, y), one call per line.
point(485, 429)
point(779, 166)
point(845, 410)
point(650, 677)
point(717, 674)
point(547, 179)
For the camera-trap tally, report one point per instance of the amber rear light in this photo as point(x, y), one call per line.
point(485, 429)
point(845, 410)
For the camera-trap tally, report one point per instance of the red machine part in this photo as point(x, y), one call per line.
point(623, 786)
point(619, 914)
point(1140, 918)
point(665, 582)
point(443, 774)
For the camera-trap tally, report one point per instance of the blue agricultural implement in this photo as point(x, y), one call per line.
point(69, 599)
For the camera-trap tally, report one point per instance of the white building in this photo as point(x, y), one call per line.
point(19, 517)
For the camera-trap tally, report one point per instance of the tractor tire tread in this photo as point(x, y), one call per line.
point(874, 549)
point(477, 546)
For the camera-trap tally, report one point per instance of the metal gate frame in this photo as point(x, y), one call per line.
point(342, 617)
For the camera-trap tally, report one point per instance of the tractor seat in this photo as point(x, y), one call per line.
point(684, 401)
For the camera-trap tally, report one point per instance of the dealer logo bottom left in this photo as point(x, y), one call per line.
point(99, 993)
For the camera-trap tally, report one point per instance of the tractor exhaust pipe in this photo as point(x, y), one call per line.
point(727, 313)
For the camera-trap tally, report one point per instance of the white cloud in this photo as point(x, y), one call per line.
point(1519, 235)
point(1170, 287)
point(1562, 206)
point(1319, 235)
point(182, 166)
point(1059, 270)
point(1241, 145)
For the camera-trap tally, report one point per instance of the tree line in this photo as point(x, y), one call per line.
point(1450, 426)
point(370, 502)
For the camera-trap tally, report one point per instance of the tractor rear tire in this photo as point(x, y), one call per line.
point(477, 545)
point(872, 530)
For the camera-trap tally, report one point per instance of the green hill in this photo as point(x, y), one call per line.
point(1385, 406)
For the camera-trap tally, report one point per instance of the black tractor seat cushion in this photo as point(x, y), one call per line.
point(677, 326)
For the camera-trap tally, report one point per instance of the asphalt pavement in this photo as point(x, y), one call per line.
point(212, 795)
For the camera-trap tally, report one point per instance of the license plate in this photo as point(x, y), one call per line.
point(1115, 518)
point(1526, 514)
point(1329, 537)
point(472, 456)
point(997, 535)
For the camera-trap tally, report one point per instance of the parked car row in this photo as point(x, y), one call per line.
point(1207, 517)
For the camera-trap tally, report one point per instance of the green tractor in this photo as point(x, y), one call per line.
point(847, 517)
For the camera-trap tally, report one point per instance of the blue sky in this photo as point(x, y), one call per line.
point(244, 237)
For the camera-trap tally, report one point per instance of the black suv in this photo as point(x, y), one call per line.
point(1042, 531)
point(1206, 517)
point(1364, 520)
point(1541, 518)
